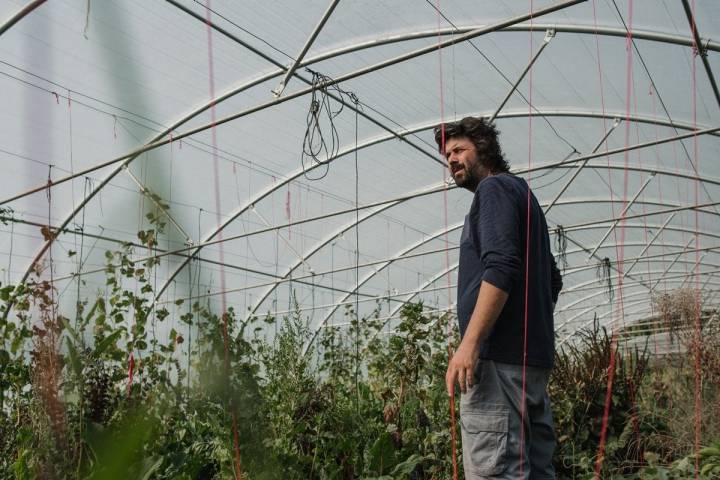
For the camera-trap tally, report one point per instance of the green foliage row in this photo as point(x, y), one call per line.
point(104, 395)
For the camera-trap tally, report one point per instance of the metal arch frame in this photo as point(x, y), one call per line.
point(425, 285)
point(156, 142)
point(435, 188)
point(625, 209)
point(657, 259)
point(299, 172)
point(402, 252)
point(700, 49)
point(22, 13)
point(427, 190)
point(432, 280)
point(714, 292)
point(601, 316)
point(594, 31)
point(569, 28)
point(650, 322)
point(399, 257)
point(522, 27)
point(579, 168)
point(329, 238)
point(657, 37)
point(372, 275)
point(348, 76)
point(296, 94)
point(269, 190)
point(605, 314)
point(704, 233)
point(633, 294)
point(673, 279)
point(601, 290)
point(590, 285)
point(299, 58)
point(420, 289)
point(404, 256)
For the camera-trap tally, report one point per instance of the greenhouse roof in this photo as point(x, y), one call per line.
point(202, 115)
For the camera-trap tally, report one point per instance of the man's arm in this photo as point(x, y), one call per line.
point(490, 303)
point(498, 229)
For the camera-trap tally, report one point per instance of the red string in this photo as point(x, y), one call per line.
point(218, 216)
point(619, 251)
point(288, 211)
point(527, 260)
point(131, 372)
point(630, 379)
point(453, 421)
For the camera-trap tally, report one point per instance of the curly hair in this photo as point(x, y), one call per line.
point(483, 134)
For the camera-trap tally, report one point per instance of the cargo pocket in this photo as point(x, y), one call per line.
point(485, 433)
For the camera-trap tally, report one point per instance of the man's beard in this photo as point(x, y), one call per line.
point(470, 179)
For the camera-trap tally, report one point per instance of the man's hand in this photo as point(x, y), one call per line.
point(461, 367)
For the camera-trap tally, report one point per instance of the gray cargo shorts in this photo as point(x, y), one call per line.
point(490, 419)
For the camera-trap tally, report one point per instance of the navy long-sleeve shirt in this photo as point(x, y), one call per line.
point(493, 249)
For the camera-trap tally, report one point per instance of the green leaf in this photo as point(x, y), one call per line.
point(74, 358)
point(150, 466)
point(406, 467)
point(69, 328)
point(106, 343)
point(383, 454)
point(5, 293)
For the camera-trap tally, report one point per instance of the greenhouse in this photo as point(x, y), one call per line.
point(232, 235)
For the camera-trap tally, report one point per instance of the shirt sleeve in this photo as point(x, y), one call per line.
point(499, 232)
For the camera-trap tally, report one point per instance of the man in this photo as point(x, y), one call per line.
point(508, 284)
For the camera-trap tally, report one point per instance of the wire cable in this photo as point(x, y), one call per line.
point(319, 147)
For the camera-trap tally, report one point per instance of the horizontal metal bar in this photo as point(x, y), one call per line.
point(22, 13)
point(300, 93)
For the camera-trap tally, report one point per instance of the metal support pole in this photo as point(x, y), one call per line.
point(282, 237)
point(696, 264)
point(22, 13)
point(549, 35)
point(701, 50)
point(671, 264)
point(578, 315)
point(149, 195)
point(645, 249)
point(374, 298)
point(283, 83)
point(612, 266)
point(629, 148)
point(319, 274)
point(590, 284)
point(622, 216)
point(579, 168)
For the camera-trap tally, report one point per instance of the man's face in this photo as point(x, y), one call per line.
point(463, 162)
